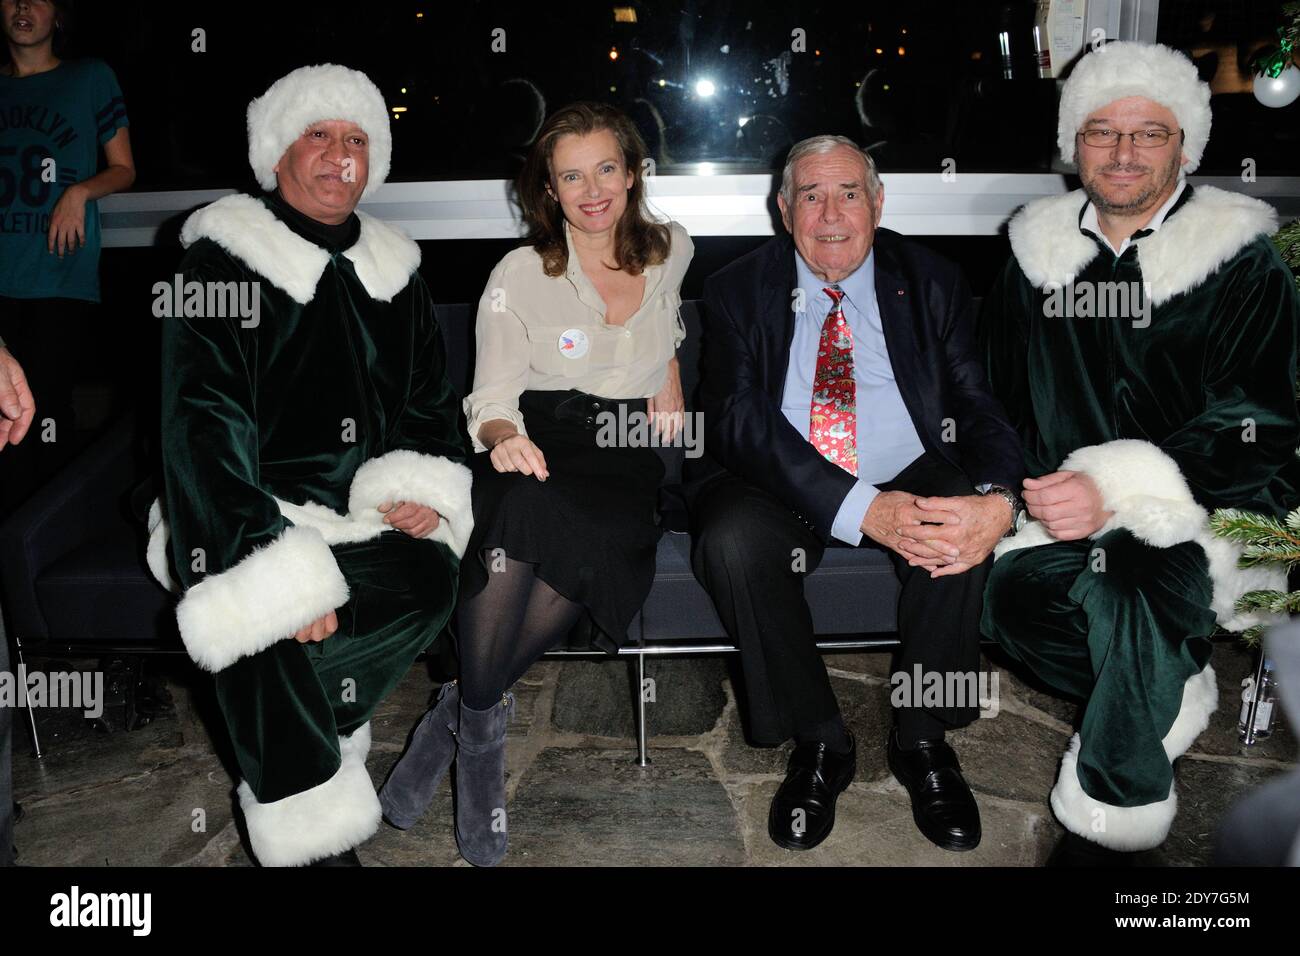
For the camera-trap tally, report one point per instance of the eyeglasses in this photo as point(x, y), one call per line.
point(1142, 138)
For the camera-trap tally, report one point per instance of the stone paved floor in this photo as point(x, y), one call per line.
point(162, 795)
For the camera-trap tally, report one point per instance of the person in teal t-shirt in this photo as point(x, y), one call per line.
point(55, 117)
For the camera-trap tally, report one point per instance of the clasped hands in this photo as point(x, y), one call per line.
point(416, 520)
point(951, 535)
point(947, 535)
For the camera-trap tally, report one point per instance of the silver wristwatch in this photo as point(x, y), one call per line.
point(1018, 513)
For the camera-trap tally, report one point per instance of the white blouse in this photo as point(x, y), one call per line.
point(536, 331)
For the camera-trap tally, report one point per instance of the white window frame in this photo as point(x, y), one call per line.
point(918, 204)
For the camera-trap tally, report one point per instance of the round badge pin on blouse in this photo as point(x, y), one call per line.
point(573, 343)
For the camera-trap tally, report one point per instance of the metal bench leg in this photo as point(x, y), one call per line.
point(27, 696)
point(642, 758)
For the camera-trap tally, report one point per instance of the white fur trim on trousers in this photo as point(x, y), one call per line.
point(1130, 829)
point(334, 816)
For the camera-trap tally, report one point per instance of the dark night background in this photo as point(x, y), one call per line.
point(916, 82)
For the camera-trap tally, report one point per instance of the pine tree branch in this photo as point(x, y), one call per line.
point(1273, 602)
point(1263, 538)
point(1251, 636)
point(1287, 241)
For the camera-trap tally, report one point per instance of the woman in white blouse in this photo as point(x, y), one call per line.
point(576, 336)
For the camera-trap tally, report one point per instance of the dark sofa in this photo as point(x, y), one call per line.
point(74, 580)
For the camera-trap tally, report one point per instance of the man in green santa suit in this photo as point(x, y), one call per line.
point(1143, 339)
point(316, 502)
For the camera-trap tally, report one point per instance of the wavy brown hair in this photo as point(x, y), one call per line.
point(639, 241)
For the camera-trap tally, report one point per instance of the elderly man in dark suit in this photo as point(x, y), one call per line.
point(845, 405)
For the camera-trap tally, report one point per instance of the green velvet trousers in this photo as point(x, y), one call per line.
point(1120, 625)
point(286, 706)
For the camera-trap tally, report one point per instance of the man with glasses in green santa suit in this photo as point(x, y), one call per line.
point(1143, 339)
point(316, 502)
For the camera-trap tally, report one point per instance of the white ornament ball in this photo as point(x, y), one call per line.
point(1278, 91)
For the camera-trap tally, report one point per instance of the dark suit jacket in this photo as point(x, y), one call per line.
point(925, 310)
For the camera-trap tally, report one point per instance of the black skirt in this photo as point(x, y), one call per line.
point(591, 528)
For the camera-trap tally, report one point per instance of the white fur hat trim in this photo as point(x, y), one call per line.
point(308, 95)
point(1125, 68)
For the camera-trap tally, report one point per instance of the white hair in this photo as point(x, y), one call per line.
point(820, 145)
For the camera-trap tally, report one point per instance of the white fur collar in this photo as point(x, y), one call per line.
point(384, 257)
point(1201, 235)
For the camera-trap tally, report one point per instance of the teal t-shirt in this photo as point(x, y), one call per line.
point(65, 114)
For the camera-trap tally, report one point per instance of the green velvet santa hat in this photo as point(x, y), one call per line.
point(308, 95)
point(1151, 70)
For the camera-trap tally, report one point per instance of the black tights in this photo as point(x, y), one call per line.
point(506, 627)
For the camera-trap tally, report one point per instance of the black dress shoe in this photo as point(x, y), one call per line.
point(1076, 851)
point(942, 805)
point(803, 810)
point(346, 858)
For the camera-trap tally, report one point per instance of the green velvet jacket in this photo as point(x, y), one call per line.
point(282, 432)
point(1177, 400)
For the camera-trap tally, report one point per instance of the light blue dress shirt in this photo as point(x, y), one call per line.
point(886, 438)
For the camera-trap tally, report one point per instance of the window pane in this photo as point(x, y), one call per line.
point(1224, 37)
point(707, 81)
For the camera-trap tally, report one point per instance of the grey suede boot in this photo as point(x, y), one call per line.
point(481, 782)
point(415, 777)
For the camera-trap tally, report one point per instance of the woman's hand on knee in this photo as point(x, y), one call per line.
point(518, 453)
point(318, 629)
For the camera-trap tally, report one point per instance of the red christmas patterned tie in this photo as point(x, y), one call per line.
point(833, 425)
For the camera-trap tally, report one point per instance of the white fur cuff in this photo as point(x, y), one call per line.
point(1031, 535)
point(268, 596)
point(1135, 828)
point(404, 475)
point(156, 553)
point(1120, 828)
point(1200, 700)
point(1145, 489)
point(1139, 483)
point(334, 816)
